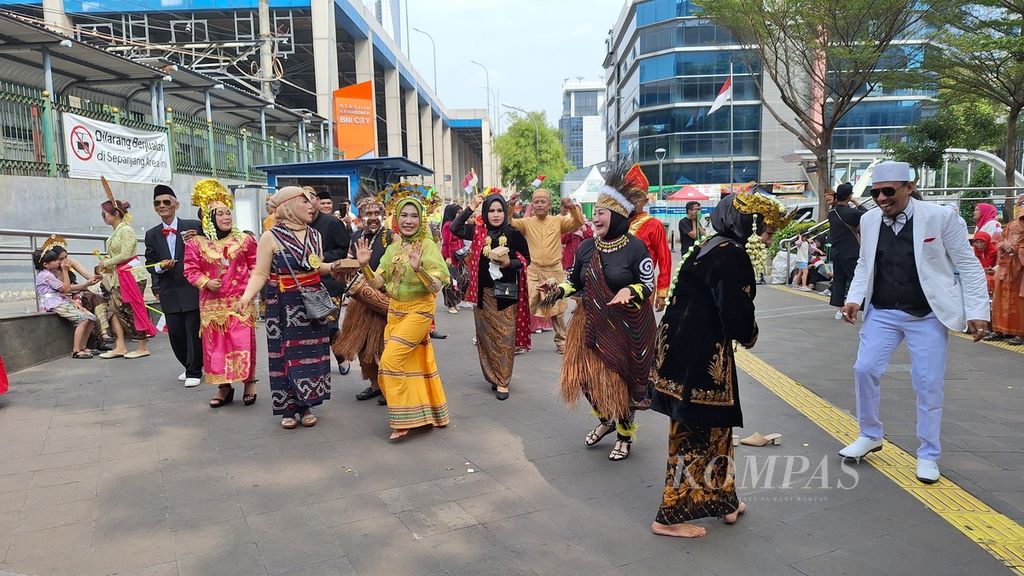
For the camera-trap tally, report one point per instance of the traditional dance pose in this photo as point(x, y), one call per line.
point(219, 265)
point(917, 278)
point(362, 330)
point(609, 345)
point(710, 306)
point(289, 255)
point(179, 300)
point(498, 257)
point(411, 272)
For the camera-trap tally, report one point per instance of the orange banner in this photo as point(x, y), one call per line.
point(355, 123)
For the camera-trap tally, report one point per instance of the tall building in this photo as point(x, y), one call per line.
point(664, 67)
point(582, 122)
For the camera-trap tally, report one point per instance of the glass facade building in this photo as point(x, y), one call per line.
point(582, 122)
point(664, 67)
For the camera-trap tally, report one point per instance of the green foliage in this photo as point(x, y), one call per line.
point(982, 178)
point(791, 229)
point(926, 143)
point(520, 160)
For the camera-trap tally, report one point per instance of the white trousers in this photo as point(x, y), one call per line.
point(927, 340)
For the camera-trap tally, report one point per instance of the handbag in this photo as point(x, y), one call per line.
point(315, 299)
point(506, 290)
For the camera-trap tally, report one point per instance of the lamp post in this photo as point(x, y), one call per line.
point(487, 75)
point(433, 48)
point(536, 131)
point(660, 155)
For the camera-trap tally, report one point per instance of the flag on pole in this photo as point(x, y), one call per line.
point(538, 181)
point(724, 95)
point(161, 324)
point(469, 181)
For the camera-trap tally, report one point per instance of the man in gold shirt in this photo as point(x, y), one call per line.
point(543, 234)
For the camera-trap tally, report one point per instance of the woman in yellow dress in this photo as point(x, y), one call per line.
point(412, 272)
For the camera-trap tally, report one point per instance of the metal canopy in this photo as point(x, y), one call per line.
point(74, 64)
point(382, 170)
point(470, 130)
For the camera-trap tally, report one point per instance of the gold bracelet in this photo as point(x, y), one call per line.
point(429, 281)
point(368, 273)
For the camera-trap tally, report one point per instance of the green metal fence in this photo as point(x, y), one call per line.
point(31, 138)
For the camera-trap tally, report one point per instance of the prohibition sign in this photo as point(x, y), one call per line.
point(82, 143)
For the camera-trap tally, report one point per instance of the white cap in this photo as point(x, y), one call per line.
point(890, 171)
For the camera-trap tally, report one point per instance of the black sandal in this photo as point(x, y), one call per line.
point(594, 437)
point(620, 451)
point(227, 399)
point(82, 355)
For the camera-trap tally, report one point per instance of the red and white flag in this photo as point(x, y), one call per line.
point(724, 95)
point(538, 181)
point(469, 181)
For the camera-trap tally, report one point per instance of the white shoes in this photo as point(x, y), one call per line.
point(192, 382)
point(861, 447)
point(181, 377)
point(839, 314)
point(927, 471)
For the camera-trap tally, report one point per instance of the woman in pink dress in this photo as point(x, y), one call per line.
point(219, 265)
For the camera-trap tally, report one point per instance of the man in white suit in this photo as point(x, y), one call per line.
point(919, 279)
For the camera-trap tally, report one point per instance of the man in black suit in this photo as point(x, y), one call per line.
point(335, 237)
point(843, 231)
point(165, 248)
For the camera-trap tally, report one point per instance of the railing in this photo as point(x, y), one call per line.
point(32, 139)
point(17, 273)
point(786, 244)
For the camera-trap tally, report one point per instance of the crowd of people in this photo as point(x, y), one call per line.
point(365, 289)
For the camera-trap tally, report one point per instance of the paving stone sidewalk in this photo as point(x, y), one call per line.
point(112, 467)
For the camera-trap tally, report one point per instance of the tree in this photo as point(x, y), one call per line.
point(983, 55)
point(530, 148)
point(824, 56)
point(982, 178)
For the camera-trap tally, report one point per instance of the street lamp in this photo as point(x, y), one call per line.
point(536, 131)
point(660, 155)
point(487, 75)
point(433, 48)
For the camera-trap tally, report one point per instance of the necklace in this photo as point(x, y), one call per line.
point(613, 245)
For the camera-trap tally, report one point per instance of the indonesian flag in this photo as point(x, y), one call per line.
point(538, 181)
point(469, 181)
point(724, 95)
point(161, 324)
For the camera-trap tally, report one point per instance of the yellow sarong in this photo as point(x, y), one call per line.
point(408, 373)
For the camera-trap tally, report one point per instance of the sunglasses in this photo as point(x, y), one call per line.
point(888, 191)
point(159, 203)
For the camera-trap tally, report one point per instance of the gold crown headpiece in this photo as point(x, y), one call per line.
point(397, 193)
point(772, 211)
point(53, 241)
point(205, 194)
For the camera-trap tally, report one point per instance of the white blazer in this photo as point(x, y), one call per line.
point(951, 276)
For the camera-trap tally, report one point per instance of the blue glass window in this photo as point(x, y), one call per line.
point(703, 172)
point(691, 64)
point(745, 117)
point(658, 10)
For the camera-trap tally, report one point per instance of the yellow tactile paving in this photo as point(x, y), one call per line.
point(816, 296)
point(999, 535)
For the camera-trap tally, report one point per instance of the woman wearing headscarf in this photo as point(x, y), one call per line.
point(455, 291)
point(986, 219)
point(710, 306)
point(498, 257)
point(126, 277)
point(219, 265)
point(412, 272)
point(298, 347)
point(1008, 292)
point(610, 339)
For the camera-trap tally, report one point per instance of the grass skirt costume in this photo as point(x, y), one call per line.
point(362, 330)
point(298, 348)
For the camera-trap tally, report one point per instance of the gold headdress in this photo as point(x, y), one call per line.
point(207, 194)
point(399, 193)
point(52, 242)
point(772, 211)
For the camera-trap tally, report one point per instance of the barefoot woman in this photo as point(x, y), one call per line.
point(710, 305)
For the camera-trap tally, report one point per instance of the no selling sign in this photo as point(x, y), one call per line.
point(95, 149)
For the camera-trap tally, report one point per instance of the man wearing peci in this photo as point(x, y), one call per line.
point(179, 300)
point(918, 278)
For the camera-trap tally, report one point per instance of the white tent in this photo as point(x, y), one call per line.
point(588, 189)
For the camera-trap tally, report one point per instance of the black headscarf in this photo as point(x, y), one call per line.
point(213, 220)
point(486, 206)
point(731, 223)
point(450, 212)
point(617, 226)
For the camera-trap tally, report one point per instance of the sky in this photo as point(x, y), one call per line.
point(528, 46)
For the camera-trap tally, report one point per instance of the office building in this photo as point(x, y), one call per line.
point(582, 122)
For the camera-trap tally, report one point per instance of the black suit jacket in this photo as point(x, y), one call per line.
point(175, 292)
point(336, 238)
point(844, 243)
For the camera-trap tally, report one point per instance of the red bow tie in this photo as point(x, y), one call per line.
point(168, 231)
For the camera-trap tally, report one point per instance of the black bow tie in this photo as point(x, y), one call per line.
point(899, 218)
